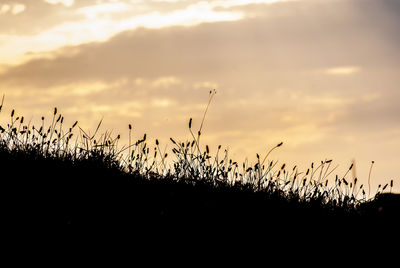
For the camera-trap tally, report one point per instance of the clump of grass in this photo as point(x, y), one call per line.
point(53, 141)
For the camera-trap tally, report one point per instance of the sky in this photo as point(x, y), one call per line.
point(322, 76)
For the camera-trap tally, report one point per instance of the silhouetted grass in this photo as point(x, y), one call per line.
point(53, 176)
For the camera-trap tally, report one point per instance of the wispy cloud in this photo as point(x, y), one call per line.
point(66, 3)
point(14, 8)
point(95, 11)
point(345, 70)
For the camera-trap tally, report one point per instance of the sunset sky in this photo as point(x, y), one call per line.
point(323, 76)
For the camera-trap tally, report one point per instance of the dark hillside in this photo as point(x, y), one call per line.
point(49, 184)
point(53, 191)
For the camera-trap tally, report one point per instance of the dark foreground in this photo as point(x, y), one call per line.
point(40, 192)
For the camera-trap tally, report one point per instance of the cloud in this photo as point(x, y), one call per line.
point(166, 82)
point(14, 9)
point(91, 21)
point(66, 3)
point(256, 47)
point(4, 9)
point(92, 12)
point(18, 8)
point(344, 70)
point(239, 3)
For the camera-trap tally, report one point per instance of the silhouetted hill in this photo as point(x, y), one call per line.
point(55, 192)
point(46, 182)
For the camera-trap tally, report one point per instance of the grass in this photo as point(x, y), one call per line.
point(52, 176)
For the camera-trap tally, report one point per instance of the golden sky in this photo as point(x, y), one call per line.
point(322, 76)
